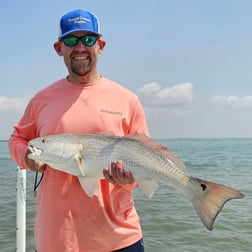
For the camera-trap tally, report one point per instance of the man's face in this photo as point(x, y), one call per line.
point(81, 60)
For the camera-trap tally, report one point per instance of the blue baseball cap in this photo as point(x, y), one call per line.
point(78, 20)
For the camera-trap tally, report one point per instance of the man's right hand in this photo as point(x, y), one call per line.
point(32, 165)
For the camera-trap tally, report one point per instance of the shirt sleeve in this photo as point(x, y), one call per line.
point(138, 121)
point(24, 131)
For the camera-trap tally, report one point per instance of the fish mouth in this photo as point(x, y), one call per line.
point(35, 151)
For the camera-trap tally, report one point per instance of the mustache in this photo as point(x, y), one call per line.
point(74, 54)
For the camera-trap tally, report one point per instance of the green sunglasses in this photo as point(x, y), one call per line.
point(87, 40)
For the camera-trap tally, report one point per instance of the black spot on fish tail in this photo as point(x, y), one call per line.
point(203, 186)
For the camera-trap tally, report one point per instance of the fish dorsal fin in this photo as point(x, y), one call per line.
point(103, 133)
point(164, 151)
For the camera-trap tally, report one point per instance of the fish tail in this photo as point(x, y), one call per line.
point(211, 200)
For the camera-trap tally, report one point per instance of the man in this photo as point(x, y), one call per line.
point(83, 102)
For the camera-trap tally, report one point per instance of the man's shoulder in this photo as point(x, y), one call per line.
point(118, 87)
point(53, 86)
point(48, 91)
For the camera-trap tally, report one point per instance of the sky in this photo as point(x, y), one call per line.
point(189, 61)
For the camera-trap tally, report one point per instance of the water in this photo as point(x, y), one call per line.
point(169, 222)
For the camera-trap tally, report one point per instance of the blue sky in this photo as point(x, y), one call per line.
point(188, 61)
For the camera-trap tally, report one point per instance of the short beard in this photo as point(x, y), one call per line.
point(81, 70)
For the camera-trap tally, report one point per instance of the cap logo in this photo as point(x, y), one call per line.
point(79, 19)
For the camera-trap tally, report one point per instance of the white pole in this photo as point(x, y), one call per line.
point(21, 211)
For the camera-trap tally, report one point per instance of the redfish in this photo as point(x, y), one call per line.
point(151, 164)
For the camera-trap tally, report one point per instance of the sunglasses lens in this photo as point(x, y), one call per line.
point(70, 41)
point(89, 40)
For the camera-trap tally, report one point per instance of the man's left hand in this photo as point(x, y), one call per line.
point(117, 175)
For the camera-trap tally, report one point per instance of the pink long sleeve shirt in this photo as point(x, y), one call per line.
point(66, 218)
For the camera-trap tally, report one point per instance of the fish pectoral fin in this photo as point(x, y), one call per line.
point(149, 187)
point(79, 162)
point(90, 186)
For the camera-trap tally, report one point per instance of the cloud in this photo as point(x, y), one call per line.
point(232, 101)
point(13, 103)
point(153, 95)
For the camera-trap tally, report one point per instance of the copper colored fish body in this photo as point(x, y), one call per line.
point(151, 164)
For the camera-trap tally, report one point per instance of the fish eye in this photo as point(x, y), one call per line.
point(43, 140)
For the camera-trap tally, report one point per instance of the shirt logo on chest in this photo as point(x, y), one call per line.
point(118, 113)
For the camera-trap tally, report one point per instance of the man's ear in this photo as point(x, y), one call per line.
point(101, 44)
point(57, 47)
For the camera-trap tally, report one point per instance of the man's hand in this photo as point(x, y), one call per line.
point(32, 165)
point(117, 175)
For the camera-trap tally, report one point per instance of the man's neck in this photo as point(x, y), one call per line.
point(83, 79)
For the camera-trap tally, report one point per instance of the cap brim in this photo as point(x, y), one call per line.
point(77, 30)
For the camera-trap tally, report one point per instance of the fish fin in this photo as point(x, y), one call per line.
point(103, 134)
point(90, 186)
point(164, 151)
point(149, 187)
point(79, 162)
point(214, 197)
